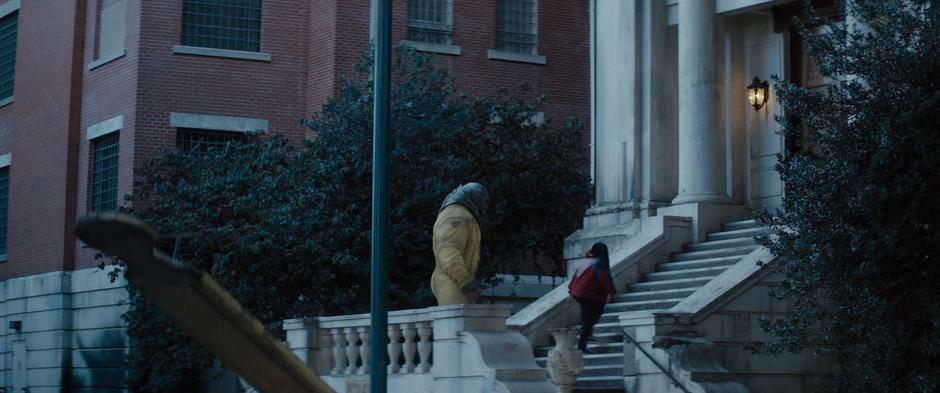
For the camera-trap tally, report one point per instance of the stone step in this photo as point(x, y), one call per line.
point(594, 359)
point(652, 295)
point(736, 234)
point(620, 308)
point(601, 389)
point(738, 225)
point(615, 328)
point(724, 252)
point(719, 244)
point(600, 384)
point(606, 338)
point(667, 284)
point(686, 273)
point(605, 370)
point(613, 313)
point(698, 264)
point(593, 346)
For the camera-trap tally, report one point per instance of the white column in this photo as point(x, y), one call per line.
point(616, 144)
point(658, 113)
point(702, 167)
point(339, 351)
point(365, 350)
point(394, 348)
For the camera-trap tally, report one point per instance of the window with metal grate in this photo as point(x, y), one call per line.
point(430, 21)
point(4, 210)
point(222, 24)
point(517, 26)
point(104, 179)
point(195, 141)
point(8, 27)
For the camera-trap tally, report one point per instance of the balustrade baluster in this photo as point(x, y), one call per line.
point(424, 346)
point(352, 349)
point(408, 331)
point(339, 351)
point(364, 349)
point(394, 348)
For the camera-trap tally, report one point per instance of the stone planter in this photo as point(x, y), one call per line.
point(564, 361)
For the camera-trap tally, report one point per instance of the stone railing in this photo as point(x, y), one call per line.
point(436, 349)
point(652, 240)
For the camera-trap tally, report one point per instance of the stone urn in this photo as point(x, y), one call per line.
point(564, 361)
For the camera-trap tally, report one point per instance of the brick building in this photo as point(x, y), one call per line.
point(89, 90)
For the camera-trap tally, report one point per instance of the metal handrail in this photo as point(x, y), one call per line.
point(675, 381)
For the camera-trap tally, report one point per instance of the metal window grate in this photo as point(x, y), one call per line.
point(7, 54)
point(104, 180)
point(222, 24)
point(430, 21)
point(4, 209)
point(202, 141)
point(517, 26)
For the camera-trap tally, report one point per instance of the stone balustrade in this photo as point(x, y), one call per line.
point(409, 343)
point(457, 348)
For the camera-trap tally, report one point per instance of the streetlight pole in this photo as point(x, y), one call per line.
point(382, 27)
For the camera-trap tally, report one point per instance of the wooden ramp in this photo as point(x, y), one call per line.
point(200, 306)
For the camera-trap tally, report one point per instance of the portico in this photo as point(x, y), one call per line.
point(672, 125)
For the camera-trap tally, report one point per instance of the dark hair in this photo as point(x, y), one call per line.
point(600, 251)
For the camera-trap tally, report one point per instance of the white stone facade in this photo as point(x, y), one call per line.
point(671, 121)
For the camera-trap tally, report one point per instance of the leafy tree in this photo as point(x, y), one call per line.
point(285, 228)
point(860, 224)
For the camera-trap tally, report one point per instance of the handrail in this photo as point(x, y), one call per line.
point(675, 381)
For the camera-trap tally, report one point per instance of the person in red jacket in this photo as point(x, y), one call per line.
point(592, 287)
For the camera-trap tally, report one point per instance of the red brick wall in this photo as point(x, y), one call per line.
point(311, 48)
point(563, 40)
point(41, 128)
point(108, 91)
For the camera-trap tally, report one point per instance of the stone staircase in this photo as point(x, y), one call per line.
point(673, 281)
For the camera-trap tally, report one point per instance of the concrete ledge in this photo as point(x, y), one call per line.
point(5, 160)
point(36, 285)
point(494, 54)
point(103, 128)
point(433, 48)
point(107, 59)
point(217, 123)
point(213, 52)
point(9, 8)
point(6, 101)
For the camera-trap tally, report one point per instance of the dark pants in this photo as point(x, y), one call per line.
point(590, 312)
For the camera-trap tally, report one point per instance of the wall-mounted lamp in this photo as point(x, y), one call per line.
point(757, 93)
point(16, 325)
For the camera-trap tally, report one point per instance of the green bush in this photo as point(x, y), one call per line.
point(285, 228)
point(861, 221)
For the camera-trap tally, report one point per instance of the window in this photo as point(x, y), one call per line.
point(104, 179)
point(4, 210)
point(195, 141)
point(222, 24)
point(430, 21)
point(516, 26)
point(7, 54)
point(111, 21)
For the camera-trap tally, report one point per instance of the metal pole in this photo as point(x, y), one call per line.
point(382, 26)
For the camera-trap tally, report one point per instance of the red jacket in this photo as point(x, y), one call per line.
point(593, 284)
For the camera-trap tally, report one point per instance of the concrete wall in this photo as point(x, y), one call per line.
point(72, 330)
point(736, 325)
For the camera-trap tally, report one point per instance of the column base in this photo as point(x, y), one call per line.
point(708, 197)
point(706, 217)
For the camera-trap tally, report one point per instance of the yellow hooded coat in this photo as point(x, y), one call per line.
point(456, 254)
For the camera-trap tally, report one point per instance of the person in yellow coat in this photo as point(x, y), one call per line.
point(457, 245)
